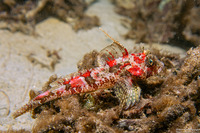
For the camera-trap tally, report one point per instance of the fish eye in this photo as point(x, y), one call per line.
point(150, 62)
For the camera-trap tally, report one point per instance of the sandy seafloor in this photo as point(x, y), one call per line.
point(18, 75)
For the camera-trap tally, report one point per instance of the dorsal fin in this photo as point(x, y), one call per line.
point(110, 37)
point(112, 51)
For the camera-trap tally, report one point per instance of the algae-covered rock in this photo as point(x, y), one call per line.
point(161, 21)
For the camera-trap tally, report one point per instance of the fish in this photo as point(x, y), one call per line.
point(116, 69)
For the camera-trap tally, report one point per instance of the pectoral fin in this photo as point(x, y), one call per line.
point(128, 92)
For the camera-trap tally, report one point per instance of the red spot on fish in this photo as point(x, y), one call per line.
point(77, 82)
point(139, 58)
point(112, 63)
point(111, 55)
point(60, 91)
point(86, 74)
point(46, 93)
point(143, 55)
point(136, 71)
point(102, 69)
point(125, 53)
point(66, 82)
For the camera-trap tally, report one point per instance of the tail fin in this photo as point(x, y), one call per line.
point(29, 106)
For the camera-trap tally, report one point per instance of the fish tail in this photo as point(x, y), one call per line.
point(27, 107)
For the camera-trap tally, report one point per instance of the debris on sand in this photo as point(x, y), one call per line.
point(23, 15)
